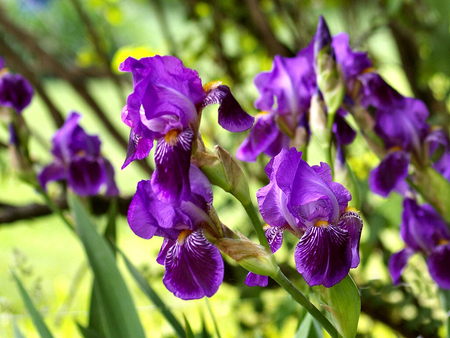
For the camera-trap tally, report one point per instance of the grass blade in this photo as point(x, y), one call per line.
point(153, 296)
point(117, 304)
point(43, 330)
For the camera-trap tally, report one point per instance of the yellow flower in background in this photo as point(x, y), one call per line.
point(126, 51)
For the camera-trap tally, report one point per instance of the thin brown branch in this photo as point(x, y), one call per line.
point(14, 60)
point(30, 42)
point(263, 30)
point(9, 214)
point(98, 45)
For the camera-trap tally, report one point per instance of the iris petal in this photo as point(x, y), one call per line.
point(390, 174)
point(275, 238)
point(138, 148)
point(397, 263)
point(53, 172)
point(85, 176)
point(269, 205)
point(262, 135)
point(438, 266)
point(253, 279)
point(194, 268)
point(324, 255)
point(171, 178)
point(352, 222)
point(146, 213)
point(231, 115)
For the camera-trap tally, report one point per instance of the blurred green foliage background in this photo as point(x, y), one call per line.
point(70, 51)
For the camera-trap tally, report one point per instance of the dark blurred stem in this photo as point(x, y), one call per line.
point(303, 301)
point(31, 43)
point(250, 209)
point(165, 27)
point(99, 47)
point(14, 60)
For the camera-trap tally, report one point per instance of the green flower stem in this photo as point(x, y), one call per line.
point(250, 209)
point(55, 208)
point(283, 281)
point(300, 298)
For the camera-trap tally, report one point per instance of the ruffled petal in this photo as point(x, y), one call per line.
point(171, 178)
point(309, 195)
point(262, 135)
point(253, 279)
point(15, 91)
point(324, 255)
point(352, 63)
point(269, 205)
point(53, 172)
point(422, 227)
point(231, 115)
point(62, 137)
point(200, 186)
point(397, 263)
point(85, 176)
point(166, 245)
point(390, 174)
point(111, 187)
point(194, 268)
point(352, 222)
point(281, 142)
point(146, 213)
point(138, 148)
point(291, 81)
point(274, 236)
point(438, 266)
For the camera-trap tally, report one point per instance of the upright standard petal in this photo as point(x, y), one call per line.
point(291, 81)
point(352, 63)
point(194, 267)
point(324, 255)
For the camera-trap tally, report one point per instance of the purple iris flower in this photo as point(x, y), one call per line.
point(166, 106)
point(400, 123)
point(194, 267)
point(15, 91)
point(306, 202)
point(286, 91)
point(423, 230)
point(439, 151)
point(77, 159)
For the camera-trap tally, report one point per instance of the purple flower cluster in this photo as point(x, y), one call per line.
point(194, 267)
point(15, 91)
point(77, 159)
point(423, 230)
point(286, 92)
point(304, 200)
point(400, 123)
point(166, 106)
